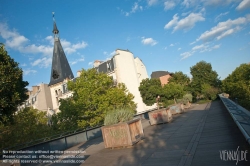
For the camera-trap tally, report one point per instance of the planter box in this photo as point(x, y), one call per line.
point(122, 134)
point(176, 109)
point(160, 116)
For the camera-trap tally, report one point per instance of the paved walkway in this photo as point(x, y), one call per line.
point(198, 137)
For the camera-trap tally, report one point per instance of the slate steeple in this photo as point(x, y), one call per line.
point(60, 69)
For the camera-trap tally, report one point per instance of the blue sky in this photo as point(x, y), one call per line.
point(170, 35)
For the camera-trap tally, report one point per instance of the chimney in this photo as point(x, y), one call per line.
point(78, 73)
point(35, 89)
point(97, 63)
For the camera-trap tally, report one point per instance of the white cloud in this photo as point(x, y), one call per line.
point(171, 45)
point(223, 29)
point(77, 60)
point(136, 7)
point(90, 63)
point(13, 38)
point(28, 71)
point(23, 65)
point(219, 16)
point(245, 4)
point(169, 5)
point(18, 42)
point(189, 3)
point(218, 2)
point(228, 32)
point(186, 23)
point(199, 48)
point(179, 49)
point(216, 46)
point(112, 53)
point(149, 41)
point(173, 22)
point(34, 49)
point(195, 3)
point(152, 2)
point(186, 55)
point(42, 62)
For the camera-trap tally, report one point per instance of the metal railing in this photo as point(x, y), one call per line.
point(240, 115)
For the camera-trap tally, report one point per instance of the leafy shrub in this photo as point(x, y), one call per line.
point(119, 115)
point(187, 98)
point(168, 103)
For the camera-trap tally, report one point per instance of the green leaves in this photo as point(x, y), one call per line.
point(237, 84)
point(12, 86)
point(28, 125)
point(179, 78)
point(94, 95)
point(150, 89)
point(203, 74)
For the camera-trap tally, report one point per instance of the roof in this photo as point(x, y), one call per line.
point(60, 69)
point(55, 30)
point(158, 74)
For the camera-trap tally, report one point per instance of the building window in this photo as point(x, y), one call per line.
point(108, 66)
point(59, 92)
point(57, 101)
point(56, 92)
point(55, 74)
point(64, 88)
point(33, 100)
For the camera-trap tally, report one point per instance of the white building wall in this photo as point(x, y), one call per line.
point(141, 69)
point(126, 73)
point(142, 74)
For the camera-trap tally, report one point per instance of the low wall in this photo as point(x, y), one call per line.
point(240, 115)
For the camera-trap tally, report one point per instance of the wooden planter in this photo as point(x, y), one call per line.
point(160, 116)
point(122, 134)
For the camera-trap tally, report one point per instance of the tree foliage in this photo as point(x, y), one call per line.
point(202, 73)
point(28, 125)
point(179, 78)
point(237, 84)
point(149, 90)
point(172, 91)
point(94, 94)
point(209, 92)
point(12, 86)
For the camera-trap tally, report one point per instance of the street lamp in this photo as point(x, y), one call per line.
point(157, 101)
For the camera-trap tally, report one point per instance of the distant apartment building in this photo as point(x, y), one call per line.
point(124, 68)
point(39, 98)
point(162, 75)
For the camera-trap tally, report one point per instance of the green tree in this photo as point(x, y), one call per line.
point(209, 92)
point(28, 125)
point(172, 91)
point(179, 78)
point(149, 90)
point(12, 86)
point(94, 94)
point(202, 73)
point(237, 84)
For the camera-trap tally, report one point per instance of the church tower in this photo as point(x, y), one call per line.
point(60, 71)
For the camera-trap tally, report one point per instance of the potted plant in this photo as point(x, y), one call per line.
point(120, 129)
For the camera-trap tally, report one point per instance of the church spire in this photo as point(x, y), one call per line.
point(60, 69)
point(55, 30)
